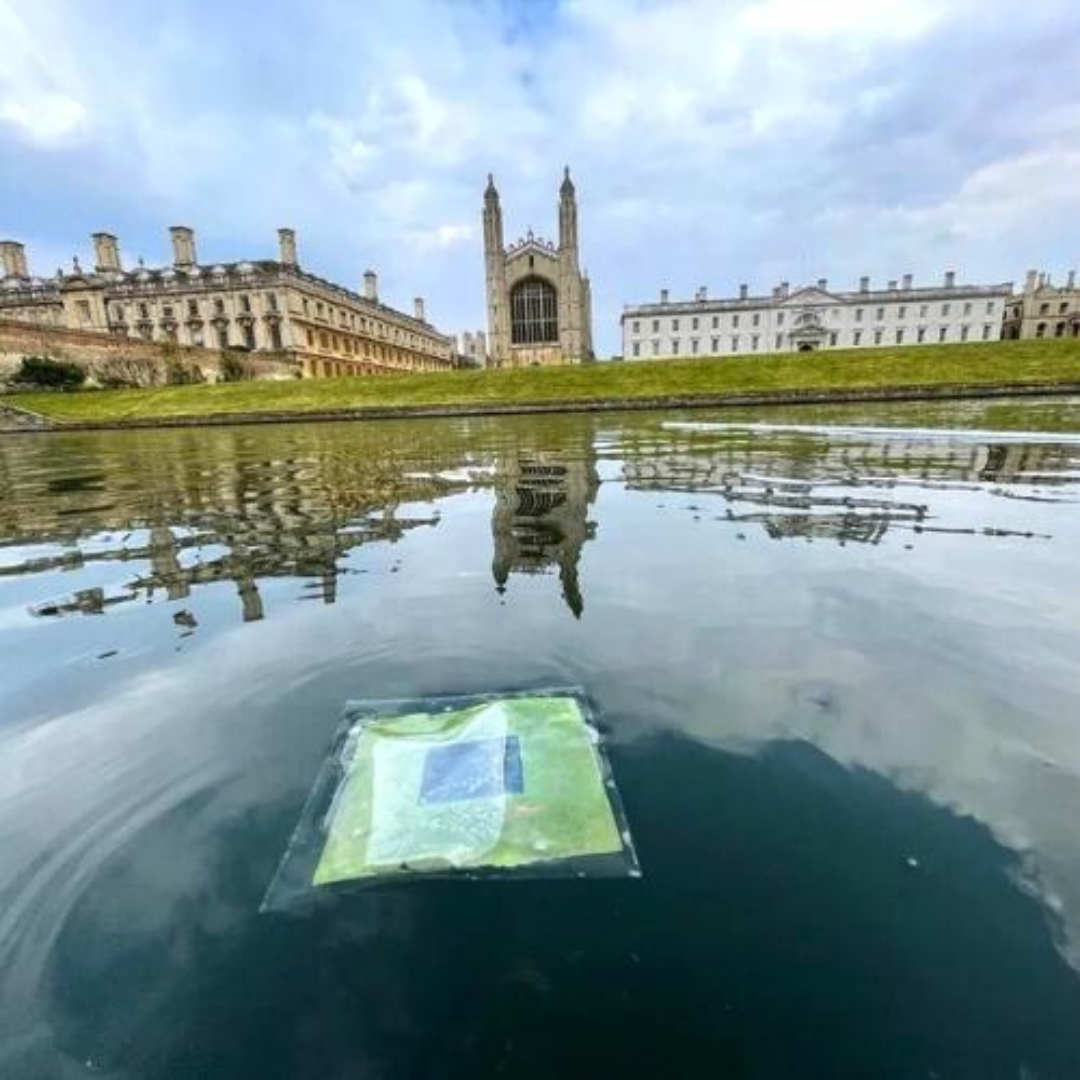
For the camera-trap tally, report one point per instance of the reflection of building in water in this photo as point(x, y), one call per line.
point(241, 519)
point(239, 508)
point(541, 517)
point(816, 486)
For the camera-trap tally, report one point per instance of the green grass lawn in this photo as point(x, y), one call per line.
point(1011, 362)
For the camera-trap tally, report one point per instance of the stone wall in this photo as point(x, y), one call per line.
point(145, 362)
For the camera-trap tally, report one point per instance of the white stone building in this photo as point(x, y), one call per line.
point(814, 317)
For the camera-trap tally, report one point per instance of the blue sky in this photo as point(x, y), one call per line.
point(712, 142)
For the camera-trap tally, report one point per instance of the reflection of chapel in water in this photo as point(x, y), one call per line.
point(541, 517)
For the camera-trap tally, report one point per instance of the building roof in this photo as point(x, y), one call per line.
point(823, 297)
point(236, 274)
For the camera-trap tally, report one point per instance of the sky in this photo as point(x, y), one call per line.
point(712, 142)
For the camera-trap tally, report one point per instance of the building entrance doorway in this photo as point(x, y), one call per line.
point(807, 346)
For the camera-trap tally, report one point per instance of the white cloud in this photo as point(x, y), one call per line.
point(727, 142)
point(350, 155)
point(47, 119)
point(39, 99)
point(840, 18)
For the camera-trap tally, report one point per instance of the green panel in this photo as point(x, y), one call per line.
point(379, 822)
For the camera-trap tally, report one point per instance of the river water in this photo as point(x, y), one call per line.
point(837, 659)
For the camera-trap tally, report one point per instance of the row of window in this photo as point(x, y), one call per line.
point(366, 350)
point(834, 313)
point(1060, 330)
point(900, 337)
point(191, 309)
point(350, 320)
point(220, 336)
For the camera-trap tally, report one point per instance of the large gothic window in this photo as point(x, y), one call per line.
point(533, 319)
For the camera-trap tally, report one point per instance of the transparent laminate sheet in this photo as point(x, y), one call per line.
point(485, 786)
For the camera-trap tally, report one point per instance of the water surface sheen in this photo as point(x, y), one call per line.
point(839, 674)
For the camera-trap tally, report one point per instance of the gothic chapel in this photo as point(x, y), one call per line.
point(539, 302)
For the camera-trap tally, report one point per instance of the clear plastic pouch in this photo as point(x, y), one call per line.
point(491, 785)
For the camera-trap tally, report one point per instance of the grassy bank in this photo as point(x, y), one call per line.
point(1011, 363)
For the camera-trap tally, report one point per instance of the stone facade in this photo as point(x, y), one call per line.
point(267, 307)
point(814, 317)
point(1044, 310)
point(111, 357)
point(539, 302)
point(474, 350)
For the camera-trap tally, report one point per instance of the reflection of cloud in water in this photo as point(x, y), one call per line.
point(961, 698)
point(153, 766)
point(948, 669)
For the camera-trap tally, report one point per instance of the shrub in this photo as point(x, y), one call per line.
point(232, 368)
point(45, 372)
point(177, 373)
point(123, 372)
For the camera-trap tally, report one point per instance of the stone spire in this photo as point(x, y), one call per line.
point(498, 298)
point(493, 228)
point(568, 237)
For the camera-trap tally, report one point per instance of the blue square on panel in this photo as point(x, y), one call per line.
point(476, 769)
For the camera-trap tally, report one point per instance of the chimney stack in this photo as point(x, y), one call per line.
point(1071, 283)
point(823, 283)
point(743, 289)
point(864, 284)
point(1029, 284)
point(13, 259)
point(418, 308)
point(785, 288)
point(703, 292)
point(892, 285)
point(950, 279)
point(106, 253)
point(287, 247)
point(371, 286)
point(907, 281)
point(183, 246)
point(663, 296)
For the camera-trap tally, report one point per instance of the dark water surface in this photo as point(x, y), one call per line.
point(839, 669)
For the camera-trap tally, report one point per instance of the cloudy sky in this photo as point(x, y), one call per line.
point(713, 141)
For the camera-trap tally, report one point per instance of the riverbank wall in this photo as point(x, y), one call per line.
point(33, 422)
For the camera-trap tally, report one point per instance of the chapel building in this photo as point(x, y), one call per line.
point(539, 301)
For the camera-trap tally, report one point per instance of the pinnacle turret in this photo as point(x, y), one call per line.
point(567, 188)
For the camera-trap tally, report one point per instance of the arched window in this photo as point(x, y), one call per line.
point(533, 308)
